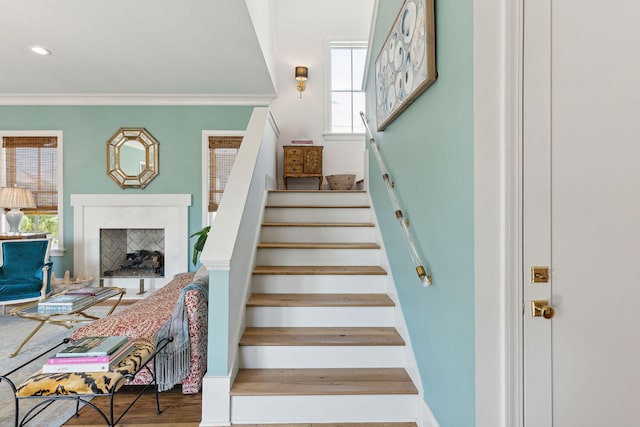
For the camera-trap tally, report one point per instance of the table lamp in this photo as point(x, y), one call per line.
point(15, 198)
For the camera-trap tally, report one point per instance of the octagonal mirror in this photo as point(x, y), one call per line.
point(132, 157)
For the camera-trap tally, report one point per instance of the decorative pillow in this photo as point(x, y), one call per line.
point(86, 383)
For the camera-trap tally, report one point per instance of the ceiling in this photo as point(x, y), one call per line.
point(130, 48)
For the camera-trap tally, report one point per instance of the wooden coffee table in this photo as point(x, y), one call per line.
point(68, 319)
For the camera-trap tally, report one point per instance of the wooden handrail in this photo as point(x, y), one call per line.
point(423, 273)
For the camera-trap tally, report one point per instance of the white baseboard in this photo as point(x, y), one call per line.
point(216, 401)
point(426, 417)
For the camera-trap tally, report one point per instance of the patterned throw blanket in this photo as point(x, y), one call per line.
point(160, 315)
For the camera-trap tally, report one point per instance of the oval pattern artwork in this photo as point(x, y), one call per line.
point(405, 66)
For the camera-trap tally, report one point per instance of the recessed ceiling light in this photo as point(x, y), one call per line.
point(40, 50)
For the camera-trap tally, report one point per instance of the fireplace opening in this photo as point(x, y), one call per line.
point(132, 252)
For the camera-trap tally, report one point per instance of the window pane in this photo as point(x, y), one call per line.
point(359, 58)
point(340, 69)
point(41, 224)
point(341, 112)
point(358, 105)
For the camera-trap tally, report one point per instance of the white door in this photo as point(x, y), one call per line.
point(581, 205)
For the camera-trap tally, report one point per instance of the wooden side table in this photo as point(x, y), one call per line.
point(303, 162)
point(23, 236)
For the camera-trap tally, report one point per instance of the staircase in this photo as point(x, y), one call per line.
point(320, 343)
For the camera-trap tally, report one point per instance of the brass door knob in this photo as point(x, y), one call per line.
point(541, 308)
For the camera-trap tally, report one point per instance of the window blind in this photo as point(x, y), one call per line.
point(222, 155)
point(31, 162)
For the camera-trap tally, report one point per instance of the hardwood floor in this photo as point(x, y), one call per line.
point(180, 410)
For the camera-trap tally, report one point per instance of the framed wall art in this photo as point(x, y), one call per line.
point(406, 64)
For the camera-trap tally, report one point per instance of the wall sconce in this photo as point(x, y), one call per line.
point(302, 73)
point(16, 198)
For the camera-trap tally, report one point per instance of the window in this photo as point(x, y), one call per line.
point(222, 155)
point(347, 98)
point(31, 160)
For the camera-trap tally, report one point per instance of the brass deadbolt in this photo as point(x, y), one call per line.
point(539, 274)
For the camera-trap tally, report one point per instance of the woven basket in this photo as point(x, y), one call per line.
point(341, 181)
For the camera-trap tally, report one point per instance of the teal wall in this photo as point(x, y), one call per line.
point(429, 153)
point(86, 130)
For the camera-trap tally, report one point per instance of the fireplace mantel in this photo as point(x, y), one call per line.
point(93, 212)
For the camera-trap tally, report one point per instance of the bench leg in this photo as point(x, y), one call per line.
point(158, 411)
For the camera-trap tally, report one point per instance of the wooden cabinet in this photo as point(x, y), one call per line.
point(302, 162)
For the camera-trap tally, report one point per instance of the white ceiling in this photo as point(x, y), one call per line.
point(142, 48)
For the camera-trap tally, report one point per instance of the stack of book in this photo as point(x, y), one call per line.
point(90, 354)
point(70, 301)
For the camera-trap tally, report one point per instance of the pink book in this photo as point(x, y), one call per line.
point(87, 359)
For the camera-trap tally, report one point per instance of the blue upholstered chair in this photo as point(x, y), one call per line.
point(25, 273)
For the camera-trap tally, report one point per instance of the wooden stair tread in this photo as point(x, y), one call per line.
point(332, 425)
point(319, 270)
point(318, 191)
point(324, 381)
point(318, 224)
point(318, 206)
point(317, 245)
point(301, 336)
point(320, 300)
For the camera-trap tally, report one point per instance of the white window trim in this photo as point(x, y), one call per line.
point(207, 217)
point(330, 44)
point(58, 250)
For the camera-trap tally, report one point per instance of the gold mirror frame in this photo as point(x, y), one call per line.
point(148, 165)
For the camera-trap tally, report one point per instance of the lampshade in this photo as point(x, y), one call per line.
point(302, 73)
point(14, 197)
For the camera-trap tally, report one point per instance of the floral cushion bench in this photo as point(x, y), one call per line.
point(87, 383)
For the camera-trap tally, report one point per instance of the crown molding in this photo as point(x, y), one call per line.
point(136, 99)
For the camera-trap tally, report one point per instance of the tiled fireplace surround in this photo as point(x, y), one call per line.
point(93, 212)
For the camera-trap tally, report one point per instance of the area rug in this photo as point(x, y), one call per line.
point(12, 331)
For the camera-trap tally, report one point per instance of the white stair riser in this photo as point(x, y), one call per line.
point(318, 234)
point(319, 316)
point(317, 215)
point(326, 409)
point(318, 257)
point(287, 357)
point(317, 199)
point(321, 284)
